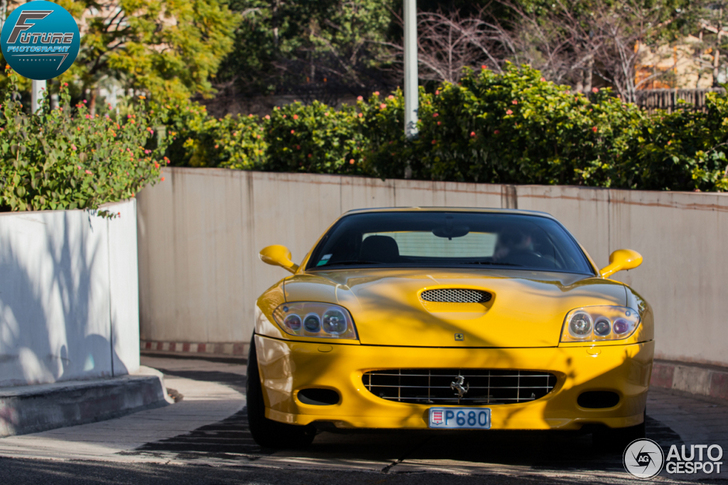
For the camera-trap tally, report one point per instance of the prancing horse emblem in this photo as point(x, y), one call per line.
point(457, 386)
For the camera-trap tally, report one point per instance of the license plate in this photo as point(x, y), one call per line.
point(460, 418)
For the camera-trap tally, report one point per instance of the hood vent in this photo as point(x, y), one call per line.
point(456, 295)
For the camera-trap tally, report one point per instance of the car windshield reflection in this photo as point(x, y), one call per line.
point(420, 239)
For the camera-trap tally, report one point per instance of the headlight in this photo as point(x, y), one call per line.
point(313, 319)
point(596, 323)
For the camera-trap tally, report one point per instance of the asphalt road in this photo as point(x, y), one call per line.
point(222, 451)
point(23, 471)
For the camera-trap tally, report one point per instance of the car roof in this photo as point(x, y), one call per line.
point(450, 209)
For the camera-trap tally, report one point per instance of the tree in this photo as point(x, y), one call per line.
point(576, 42)
point(619, 29)
point(311, 49)
point(709, 22)
point(449, 42)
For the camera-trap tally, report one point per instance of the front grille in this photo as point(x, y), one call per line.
point(439, 386)
point(456, 295)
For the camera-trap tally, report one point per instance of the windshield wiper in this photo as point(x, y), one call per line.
point(347, 263)
point(492, 263)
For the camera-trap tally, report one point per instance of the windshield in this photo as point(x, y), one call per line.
point(449, 239)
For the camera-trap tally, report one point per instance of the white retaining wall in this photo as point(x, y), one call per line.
point(69, 305)
point(200, 232)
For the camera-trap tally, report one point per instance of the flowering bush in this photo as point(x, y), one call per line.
point(518, 128)
point(513, 127)
point(67, 159)
point(684, 150)
point(314, 138)
point(387, 153)
point(199, 140)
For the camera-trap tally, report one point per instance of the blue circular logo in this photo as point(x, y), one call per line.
point(40, 40)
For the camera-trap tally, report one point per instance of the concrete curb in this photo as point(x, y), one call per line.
point(237, 349)
point(696, 379)
point(30, 409)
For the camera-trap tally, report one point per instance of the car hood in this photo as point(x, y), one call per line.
point(527, 309)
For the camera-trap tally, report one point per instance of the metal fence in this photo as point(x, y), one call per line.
point(672, 99)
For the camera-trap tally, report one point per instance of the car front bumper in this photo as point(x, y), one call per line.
point(287, 367)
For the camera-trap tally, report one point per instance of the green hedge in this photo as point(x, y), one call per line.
point(67, 159)
point(510, 128)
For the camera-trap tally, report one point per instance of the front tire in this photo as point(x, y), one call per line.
point(266, 432)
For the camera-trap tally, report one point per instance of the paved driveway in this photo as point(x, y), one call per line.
point(208, 427)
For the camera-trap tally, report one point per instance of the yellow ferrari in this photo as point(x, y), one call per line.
point(442, 318)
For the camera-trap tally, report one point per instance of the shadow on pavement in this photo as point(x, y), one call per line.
point(230, 438)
